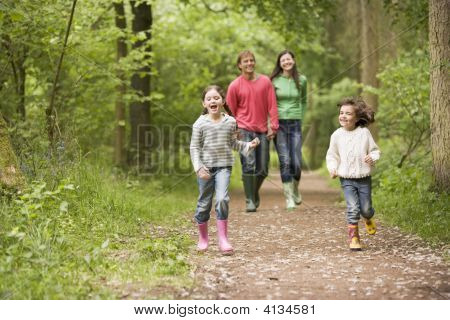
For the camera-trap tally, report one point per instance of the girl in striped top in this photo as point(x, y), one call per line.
point(213, 138)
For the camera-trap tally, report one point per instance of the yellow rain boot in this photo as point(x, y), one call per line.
point(353, 238)
point(371, 227)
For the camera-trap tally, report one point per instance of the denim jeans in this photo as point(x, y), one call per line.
point(288, 143)
point(257, 162)
point(218, 183)
point(358, 195)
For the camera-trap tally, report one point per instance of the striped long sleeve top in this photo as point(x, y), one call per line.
point(212, 142)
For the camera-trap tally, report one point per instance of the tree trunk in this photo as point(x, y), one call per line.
point(119, 145)
point(140, 82)
point(18, 71)
point(10, 175)
point(439, 35)
point(369, 53)
point(50, 111)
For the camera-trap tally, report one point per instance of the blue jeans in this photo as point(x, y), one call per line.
point(218, 183)
point(288, 143)
point(257, 162)
point(358, 195)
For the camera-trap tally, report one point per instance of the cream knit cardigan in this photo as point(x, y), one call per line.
point(347, 151)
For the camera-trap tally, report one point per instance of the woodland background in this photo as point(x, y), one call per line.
point(97, 99)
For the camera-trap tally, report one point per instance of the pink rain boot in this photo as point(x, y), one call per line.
point(224, 245)
point(202, 236)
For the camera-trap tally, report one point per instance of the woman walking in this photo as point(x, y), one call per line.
point(290, 89)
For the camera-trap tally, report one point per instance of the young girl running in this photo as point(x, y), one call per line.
point(351, 156)
point(213, 138)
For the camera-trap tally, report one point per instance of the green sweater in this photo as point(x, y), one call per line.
point(291, 103)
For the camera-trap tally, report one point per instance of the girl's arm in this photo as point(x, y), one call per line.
point(240, 146)
point(243, 146)
point(374, 151)
point(333, 159)
point(195, 148)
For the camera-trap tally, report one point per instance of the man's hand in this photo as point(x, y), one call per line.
point(270, 133)
point(203, 173)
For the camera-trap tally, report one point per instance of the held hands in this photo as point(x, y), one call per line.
point(203, 173)
point(270, 133)
point(254, 143)
point(368, 159)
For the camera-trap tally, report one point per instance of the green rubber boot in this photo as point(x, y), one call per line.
point(297, 196)
point(259, 182)
point(288, 189)
point(249, 182)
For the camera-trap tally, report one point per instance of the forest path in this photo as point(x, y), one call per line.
point(303, 254)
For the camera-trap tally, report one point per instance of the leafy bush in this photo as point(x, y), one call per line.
point(60, 242)
point(404, 111)
point(404, 199)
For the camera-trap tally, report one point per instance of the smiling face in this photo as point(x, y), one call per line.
point(347, 117)
point(213, 101)
point(287, 63)
point(247, 64)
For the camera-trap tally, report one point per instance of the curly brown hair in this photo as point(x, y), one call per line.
point(364, 112)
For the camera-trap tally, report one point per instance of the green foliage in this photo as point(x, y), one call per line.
point(81, 231)
point(59, 243)
point(404, 198)
point(210, 44)
point(404, 111)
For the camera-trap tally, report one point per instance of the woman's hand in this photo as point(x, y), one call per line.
point(254, 143)
point(368, 159)
point(203, 173)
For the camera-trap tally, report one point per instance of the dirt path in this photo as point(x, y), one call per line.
point(304, 255)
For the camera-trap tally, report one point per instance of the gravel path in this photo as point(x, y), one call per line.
point(303, 254)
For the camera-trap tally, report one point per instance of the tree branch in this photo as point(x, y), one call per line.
point(51, 120)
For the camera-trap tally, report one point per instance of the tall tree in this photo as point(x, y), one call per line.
point(369, 52)
point(439, 35)
point(10, 175)
point(140, 81)
point(17, 54)
point(119, 145)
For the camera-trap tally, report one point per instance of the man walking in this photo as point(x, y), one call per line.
point(251, 98)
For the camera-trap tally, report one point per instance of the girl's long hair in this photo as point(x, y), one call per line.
point(278, 70)
point(364, 113)
point(222, 94)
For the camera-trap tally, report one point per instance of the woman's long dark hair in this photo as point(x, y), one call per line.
point(222, 94)
point(278, 70)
